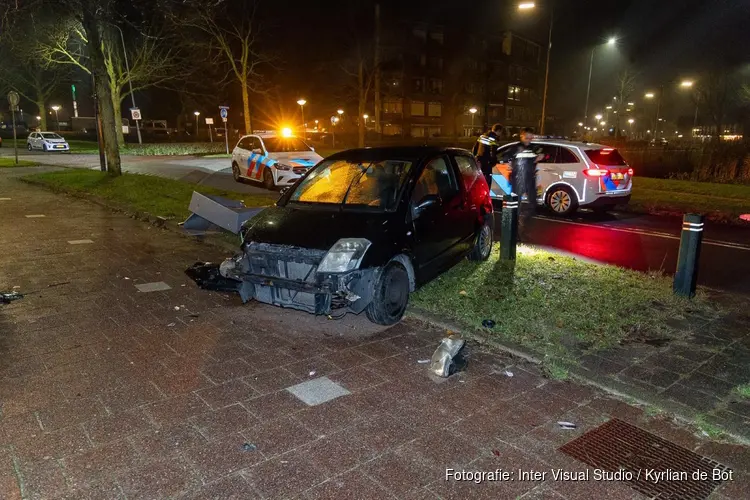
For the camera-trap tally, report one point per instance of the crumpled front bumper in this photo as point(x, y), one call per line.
point(288, 276)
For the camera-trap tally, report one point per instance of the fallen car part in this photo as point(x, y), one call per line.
point(567, 425)
point(8, 297)
point(214, 213)
point(442, 362)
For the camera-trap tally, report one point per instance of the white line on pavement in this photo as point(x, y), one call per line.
point(645, 232)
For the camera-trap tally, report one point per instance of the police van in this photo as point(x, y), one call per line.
point(570, 175)
point(275, 160)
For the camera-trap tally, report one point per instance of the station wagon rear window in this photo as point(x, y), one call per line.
point(606, 156)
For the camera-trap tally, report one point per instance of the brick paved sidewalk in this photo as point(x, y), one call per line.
point(112, 392)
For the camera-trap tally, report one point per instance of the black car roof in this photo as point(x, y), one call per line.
point(393, 152)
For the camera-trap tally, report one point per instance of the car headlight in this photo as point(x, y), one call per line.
point(281, 166)
point(345, 255)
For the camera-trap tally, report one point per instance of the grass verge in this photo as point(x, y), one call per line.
point(558, 306)
point(743, 391)
point(157, 196)
point(724, 202)
point(11, 163)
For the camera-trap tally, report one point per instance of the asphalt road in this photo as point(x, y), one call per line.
point(640, 242)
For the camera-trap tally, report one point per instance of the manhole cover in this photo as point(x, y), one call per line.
point(648, 463)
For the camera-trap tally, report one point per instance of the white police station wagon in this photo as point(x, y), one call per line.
point(572, 175)
point(271, 159)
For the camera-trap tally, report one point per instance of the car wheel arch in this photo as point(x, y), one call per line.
point(561, 183)
point(405, 261)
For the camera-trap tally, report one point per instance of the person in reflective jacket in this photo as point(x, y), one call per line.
point(485, 150)
point(523, 159)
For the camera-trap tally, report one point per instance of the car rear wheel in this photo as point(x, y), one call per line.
point(236, 172)
point(268, 179)
point(483, 245)
point(561, 200)
point(390, 297)
point(28, 146)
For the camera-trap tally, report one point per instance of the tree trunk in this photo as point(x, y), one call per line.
point(117, 105)
point(362, 104)
point(246, 109)
point(40, 104)
point(91, 23)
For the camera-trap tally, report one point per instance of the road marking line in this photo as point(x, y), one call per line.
point(4, 199)
point(644, 232)
point(79, 242)
point(34, 216)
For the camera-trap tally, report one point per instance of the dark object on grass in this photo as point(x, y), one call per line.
point(8, 297)
point(488, 323)
point(206, 275)
point(249, 447)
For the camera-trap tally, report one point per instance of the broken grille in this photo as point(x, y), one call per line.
point(618, 446)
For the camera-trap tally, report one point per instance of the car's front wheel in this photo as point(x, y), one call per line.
point(483, 245)
point(236, 172)
point(561, 200)
point(44, 148)
point(390, 297)
point(268, 179)
point(28, 146)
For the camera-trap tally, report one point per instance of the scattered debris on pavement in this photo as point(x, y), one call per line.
point(423, 361)
point(8, 297)
point(207, 276)
point(443, 360)
point(508, 373)
point(567, 425)
point(249, 447)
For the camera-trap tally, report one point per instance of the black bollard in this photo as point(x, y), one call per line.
point(509, 235)
point(686, 276)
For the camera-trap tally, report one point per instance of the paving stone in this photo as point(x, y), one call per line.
point(290, 473)
point(160, 479)
point(318, 391)
point(156, 286)
point(275, 405)
point(352, 485)
point(167, 441)
point(117, 426)
point(278, 436)
point(234, 487)
point(227, 420)
point(226, 394)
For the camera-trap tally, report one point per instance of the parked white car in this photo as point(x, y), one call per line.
point(271, 159)
point(571, 175)
point(46, 141)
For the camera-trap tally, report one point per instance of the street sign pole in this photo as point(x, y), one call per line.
point(13, 101)
point(210, 135)
point(224, 112)
point(509, 234)
point(226, 136)
point(688, 258)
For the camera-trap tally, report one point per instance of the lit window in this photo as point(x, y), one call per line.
point(417, 108)
point(514, 93)
point(417, 131)
point(435, 109)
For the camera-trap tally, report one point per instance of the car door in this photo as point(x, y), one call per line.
point(30, 139)
point(569, 168)
point(255, 157)
point(547, 171)
point(465, 217)
point(434, 200)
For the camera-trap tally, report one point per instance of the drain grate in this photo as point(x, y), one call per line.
point(649, 464)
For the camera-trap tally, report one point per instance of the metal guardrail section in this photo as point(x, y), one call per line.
point(214, 213)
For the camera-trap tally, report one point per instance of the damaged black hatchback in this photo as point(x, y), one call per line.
point(364, 228)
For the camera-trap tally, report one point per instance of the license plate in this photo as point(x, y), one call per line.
point(617, 177)
point(59, 146)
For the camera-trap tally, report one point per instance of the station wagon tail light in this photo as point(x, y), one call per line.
point(595, 172)
point(630, 172)
point(345, 255)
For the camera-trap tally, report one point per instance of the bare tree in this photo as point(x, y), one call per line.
point(152, 61)
point(625, 87)
point(712, 95)
point(23, 72)
point(232, 38)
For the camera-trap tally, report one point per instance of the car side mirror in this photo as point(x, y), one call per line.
point(312, 148)
point(426, 201)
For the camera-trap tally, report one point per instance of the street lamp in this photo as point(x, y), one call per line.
point(686, 83)
point(602, 123)
point(302, 103)
point(57, 118)
point(611, 41)
point(580, 124)
point(530, 6)
point(649, 95)
point(473, 110)
point(316, 124)
point(197, 114)
point(598, 117)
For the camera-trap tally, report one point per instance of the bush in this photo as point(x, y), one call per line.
point(186, 148)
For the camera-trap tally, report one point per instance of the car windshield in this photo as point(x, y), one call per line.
point(285, 144)
point(346, 182)
point(50, 135)
point(605, 156)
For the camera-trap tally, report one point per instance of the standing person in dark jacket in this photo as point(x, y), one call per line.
point(523, 159)
point(485, 151)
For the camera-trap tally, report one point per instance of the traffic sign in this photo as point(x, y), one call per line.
point(135, 113)
point(224, 112)
point(209, 121)
point(13, 98)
